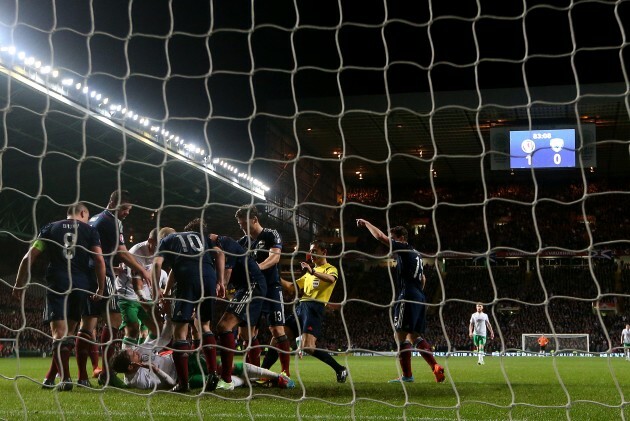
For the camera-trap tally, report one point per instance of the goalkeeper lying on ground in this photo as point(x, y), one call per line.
point(144, 367)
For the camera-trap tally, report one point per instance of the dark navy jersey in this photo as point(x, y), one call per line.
point(260, 247)
point(111, 231)
point(408, 266)
point(187, 252)
point(68, 244)
point(241, 263)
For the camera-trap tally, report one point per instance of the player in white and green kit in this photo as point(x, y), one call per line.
point(477, 330)
point(625, 340)
point(136, 297)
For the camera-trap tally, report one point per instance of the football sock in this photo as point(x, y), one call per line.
point(180, 358)
point(270, 358)
point(94, 354)
point(253, 355)
point(404, 358)
point(426, 352)
point(128, 342)
point(82, 350)
point(52, 371)
point(226, 340)
point(210, 351)
point(282, 343)
point(107, 350)
point(328, 359)
point(61, 354)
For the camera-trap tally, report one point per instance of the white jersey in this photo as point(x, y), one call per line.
point(145, 378)
point(124, 281)
point(625, 336)
point(479, 320)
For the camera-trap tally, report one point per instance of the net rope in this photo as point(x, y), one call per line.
point(321, 115)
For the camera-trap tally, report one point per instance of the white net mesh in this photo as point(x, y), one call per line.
point(424, 114)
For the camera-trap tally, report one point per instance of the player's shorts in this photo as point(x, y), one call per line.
point(247, 305)
point(479, 340)
point(62, 306)
point(273, 307)
point(310, 318)
point(189, 300)
point(131, 312)
point(109, 303)
point(410, 314)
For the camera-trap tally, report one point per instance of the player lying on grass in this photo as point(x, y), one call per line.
point(144, 369)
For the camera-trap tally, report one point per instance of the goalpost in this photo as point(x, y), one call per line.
point(496, 132)
point(558, 343)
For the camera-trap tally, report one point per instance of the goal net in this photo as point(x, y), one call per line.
point(495, 132)
point(558, 343)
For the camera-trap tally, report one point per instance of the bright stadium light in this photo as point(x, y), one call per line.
point(36, 67)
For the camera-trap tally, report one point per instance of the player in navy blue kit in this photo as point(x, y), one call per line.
point(71, 244)
point(109, 226)
point(189, 256)
point(409, 309)
point(245, 308)
point(265, 244)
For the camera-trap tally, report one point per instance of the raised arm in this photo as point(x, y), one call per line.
point(376, 233)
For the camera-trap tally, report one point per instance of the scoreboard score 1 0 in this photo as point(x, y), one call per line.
point(542, 148)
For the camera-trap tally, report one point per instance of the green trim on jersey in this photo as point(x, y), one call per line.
point(39, 245)
point(626, 344)
point(479, 340)
point(237, 369)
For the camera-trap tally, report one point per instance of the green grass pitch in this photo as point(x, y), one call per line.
point(519, 388)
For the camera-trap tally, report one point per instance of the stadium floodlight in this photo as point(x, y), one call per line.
point(45, 69)
point(8, 49)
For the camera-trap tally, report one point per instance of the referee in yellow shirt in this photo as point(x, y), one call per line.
point(317, 285)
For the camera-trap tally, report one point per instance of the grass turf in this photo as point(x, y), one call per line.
point(521, 388)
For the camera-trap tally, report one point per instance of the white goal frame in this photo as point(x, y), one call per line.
point(552, 336)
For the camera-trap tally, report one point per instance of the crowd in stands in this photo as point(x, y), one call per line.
point(549, 298)
point(523, 217)
point(550, 295)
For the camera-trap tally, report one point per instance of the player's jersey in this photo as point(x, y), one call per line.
point(625, 336)
point(68, 243)
point(124, 281)
point(111, 231)
point(124, 285)
point(260, 247)
point(241, 263)
point(187, 254)
point(316, 289)
point(145, 378)
point(408, 266)
point(479, 320)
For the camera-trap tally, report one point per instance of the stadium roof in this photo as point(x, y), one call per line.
point(412, 137)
